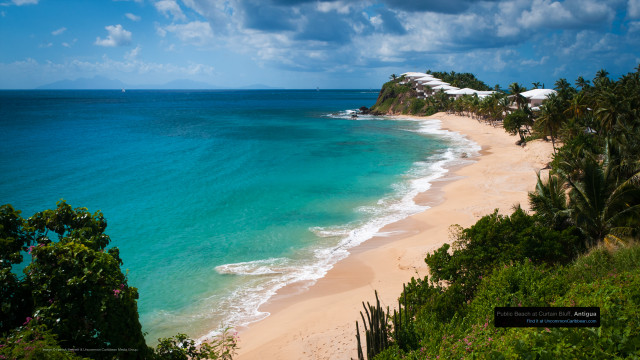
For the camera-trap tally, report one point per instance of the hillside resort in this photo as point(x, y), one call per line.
point(426, 85)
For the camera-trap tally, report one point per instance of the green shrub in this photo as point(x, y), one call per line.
point(496, 239)
point(604, 278)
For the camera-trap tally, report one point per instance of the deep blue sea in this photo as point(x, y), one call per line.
point(217, 199)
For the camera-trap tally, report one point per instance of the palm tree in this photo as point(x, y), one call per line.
point(603, 206)
point(564, 88)
point(582, 83)
point(516, 89)
point(610, 107)
point(549, 201)
point(577, 106)
point(514, 123)
point(601, 74)
point(551, 117)
point(393, 77)
point(601, 78)
point(536, 85)
point(503, 106)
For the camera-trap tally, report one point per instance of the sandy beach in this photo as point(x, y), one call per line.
point(319, 322)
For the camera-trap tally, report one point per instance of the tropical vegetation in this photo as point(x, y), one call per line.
point(71, 300)
point(578, 247)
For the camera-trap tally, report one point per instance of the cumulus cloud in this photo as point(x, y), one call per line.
point(170, 7)
point(195, 32)
point(132, 17)
point(530, 62)
point(131, 55)
point(566, 15)
point(259, 15)
point(337, 6)
point(633, 9)
point(118, 36)
point(447, 7)
point(326, 35)
point(24, 2)
point(388, 22)
point(69, 44)
point(59, 31)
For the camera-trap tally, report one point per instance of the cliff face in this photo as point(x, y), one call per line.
point(397, 99)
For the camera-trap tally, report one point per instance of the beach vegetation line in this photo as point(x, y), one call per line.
point(579, 246)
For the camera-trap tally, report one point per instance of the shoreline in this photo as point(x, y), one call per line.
point(318, 321)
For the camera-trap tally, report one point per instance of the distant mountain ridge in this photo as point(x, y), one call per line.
point(103, 83)
point(97, 82)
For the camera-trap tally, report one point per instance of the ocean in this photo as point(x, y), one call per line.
point(217, 199)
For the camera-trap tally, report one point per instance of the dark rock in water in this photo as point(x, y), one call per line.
point(364, 110)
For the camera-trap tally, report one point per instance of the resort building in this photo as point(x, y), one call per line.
point(426, 85)
point(535, 97)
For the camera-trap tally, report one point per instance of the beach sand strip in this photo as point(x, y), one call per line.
point(318, 322)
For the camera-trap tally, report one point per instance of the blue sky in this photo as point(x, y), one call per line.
point(309, 43)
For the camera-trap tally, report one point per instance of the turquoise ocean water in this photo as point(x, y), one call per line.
point(217, 199)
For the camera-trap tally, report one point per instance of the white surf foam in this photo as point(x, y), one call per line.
point(242, 306)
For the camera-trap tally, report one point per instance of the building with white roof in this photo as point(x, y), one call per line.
point(535, 97)
point(445, 87)
point(467, 91)
point(426, 84)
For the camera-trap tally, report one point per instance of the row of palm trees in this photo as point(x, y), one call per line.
point(595, 178)
point(598, 165)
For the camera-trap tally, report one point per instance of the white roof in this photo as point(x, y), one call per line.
point(538, 94)
point(426, 78)
point(414, 74)
point(435, 83)
point(465, 91)
point(444, 87)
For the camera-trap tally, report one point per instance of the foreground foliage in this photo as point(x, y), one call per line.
point(590, 204)
point(72, 299)
point(608, 279)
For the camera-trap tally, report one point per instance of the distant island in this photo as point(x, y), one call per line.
point(103, 83)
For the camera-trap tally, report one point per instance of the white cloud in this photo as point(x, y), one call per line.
point(24, 2)
point(560, 70)
point(68, 45)
point(530, 62)
point(337, 6)
point(567, 14)
point(195, 32)
point(30, 73)
point(132, 17)
point(545, 13)
point(131, 55)
point(117, 37)
point(376, 21)
point(633, 9)
point(59, 31)
point(47, 45)
point(167, 7)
